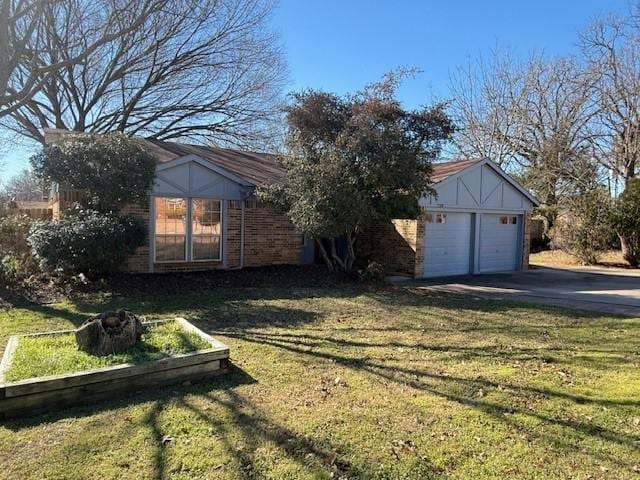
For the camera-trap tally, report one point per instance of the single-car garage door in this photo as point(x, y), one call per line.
point(447, 244)
point(498, 243)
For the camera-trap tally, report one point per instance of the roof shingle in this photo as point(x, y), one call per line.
point(255, 168)
point(442, 171)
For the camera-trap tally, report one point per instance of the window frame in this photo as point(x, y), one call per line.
point(155, 234)
point(188, 235)
point(191, 236)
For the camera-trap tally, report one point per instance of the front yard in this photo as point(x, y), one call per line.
point(558, 258)
point(353, 383)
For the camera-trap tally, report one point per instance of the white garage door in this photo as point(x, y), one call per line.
point(447, 244)
point(498, 243)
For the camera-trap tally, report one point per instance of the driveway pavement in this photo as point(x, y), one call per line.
point(615, 292)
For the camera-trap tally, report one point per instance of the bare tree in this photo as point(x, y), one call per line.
point(612, 48)
point(25, 186)
point(481, 110)
point(205, 69)
point(532, 117)
point(26, 58)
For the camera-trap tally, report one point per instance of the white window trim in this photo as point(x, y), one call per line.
point(188, 245)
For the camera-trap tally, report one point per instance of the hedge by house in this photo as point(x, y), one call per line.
point(86, 241)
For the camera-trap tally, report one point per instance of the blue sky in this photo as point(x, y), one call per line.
point(342, 45)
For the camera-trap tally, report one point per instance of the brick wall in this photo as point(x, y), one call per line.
point(269, 237)
point(418, 271)
point(138, 262)
point(392, 244)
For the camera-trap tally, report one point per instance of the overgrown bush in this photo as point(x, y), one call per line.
point(17, 263)
point(11, 269)
point(374, 272)
point(86, 241)
point(585, 230)
point(625, 220)
point(112, 170)
point(13, 235)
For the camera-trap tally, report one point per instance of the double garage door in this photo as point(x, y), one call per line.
point(450, 243)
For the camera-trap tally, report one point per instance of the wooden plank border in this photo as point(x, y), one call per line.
point(44, 393)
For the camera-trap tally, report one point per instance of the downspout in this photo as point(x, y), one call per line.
point(242, 234)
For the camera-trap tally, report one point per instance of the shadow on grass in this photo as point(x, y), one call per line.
point(251, 315)
point(448, 386)
point(242, 430)
point(233, 378)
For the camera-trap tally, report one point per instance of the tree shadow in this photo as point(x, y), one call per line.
point(449, 386)
point(234, 377)
point(256, 428)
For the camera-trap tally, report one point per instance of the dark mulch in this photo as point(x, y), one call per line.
point(280, 276)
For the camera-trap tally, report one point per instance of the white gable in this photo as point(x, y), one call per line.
point(476, 188)
point(193, 178)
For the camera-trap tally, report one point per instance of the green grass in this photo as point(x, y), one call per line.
point(57, 354)
point(349, 383)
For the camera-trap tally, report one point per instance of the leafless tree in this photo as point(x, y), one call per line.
point(480, 91)
point(612, 48)
point(25, 186)
point(26, 58)
point(205, 69)
point(531, 117)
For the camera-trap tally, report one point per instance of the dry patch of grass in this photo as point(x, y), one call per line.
point(346, 383)
point(549, 258)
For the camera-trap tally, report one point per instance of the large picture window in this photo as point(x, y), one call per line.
point(170, 229)
point(205, 229)
point(187, 229)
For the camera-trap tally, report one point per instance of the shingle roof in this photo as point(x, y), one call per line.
point(255, 168)
point(442, 171)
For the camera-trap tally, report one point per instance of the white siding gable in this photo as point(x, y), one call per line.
point(478, 187)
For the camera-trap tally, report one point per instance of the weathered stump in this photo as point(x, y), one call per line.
point(109, 332)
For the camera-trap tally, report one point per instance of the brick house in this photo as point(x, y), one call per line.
point(201, 215)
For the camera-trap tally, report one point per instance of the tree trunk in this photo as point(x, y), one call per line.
point(351, 254)
point(330, 255)
point(325, 255)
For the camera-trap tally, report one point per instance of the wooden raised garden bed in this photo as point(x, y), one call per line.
point(43, 394)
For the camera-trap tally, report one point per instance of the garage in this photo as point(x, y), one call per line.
point(499, 244)
point(447, 244)
point(475, 221)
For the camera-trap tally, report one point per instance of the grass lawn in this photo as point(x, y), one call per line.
point(57, 354)
point(351, 383)
point(550, 258)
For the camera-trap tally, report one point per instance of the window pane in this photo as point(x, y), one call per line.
point(170, 228)
point(206, 247)
point(514, 220)
point(206, 229)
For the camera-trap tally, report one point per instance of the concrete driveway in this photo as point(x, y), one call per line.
point(598, 290)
